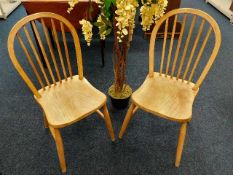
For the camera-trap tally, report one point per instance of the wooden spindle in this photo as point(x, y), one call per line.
point(200, 54)
point(186, 47)
point(164, 47)
point(178, 45)
point(171, 45)
point(59, 48)
point(38, 59)
point(193, 49)
point(66, 49)
point(43, 51)
point(30, 61)
point(47, 37)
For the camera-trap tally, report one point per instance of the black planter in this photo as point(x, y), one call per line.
point(120, 103)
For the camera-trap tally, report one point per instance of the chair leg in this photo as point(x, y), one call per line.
point(60, 149)
point(126, 120)
point(108, 122)
point(180, 144)
point(45, 121)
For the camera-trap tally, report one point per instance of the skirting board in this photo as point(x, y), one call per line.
point(6, 7)
point(223, 7)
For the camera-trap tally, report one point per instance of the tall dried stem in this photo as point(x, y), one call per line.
point(120, 51)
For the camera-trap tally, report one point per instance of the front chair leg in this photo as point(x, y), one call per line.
point(126, 120)
point(180, 144)
point(60, 149)
point(108, 122)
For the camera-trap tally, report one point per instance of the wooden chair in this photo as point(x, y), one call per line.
point(60, 7)
point(63, 100)
point(169, 93)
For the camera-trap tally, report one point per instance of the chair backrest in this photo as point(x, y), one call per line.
point(173, 68)
point(53, 74)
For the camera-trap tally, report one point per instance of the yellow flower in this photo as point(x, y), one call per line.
point(86, 30)
point(72, 3)
point(150, 12)
point(125, 17)
point(126, 11)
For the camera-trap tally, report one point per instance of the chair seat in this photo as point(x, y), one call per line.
point(166, 97)
point(70, 101)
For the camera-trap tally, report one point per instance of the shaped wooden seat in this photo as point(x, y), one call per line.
point(64, 97)
point(70, 102)
point(165, 97)
point(169, 92)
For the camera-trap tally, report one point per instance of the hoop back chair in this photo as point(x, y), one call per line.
point(170, 92)
point(64, 97)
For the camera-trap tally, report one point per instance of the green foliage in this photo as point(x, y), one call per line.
point(107, 7)
point(104, 25)
point(106, 21)
point(108, 3)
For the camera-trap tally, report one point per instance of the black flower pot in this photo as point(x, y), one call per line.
point(120, 103)
point(120, 100)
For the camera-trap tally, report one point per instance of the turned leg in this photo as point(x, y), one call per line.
point(45, 121)
point(60, 149)
point(126, 120)
point(180, 144)
point(108, 122)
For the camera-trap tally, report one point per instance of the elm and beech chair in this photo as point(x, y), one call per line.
point(65, 98)
point(169, 93)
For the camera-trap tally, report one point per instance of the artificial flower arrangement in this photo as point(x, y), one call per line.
point(118, 16)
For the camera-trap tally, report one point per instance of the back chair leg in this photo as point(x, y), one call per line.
point(180, 144)
point(108, 122)
point(45, 121)
point(126, 120)
point(60, 148)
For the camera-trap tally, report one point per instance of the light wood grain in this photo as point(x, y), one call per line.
point(193, 49)
point(69, 101)
point(168, 97)
point(171, 45)
point(178, 45)
point(180, 144)
point(199, 54)
point(164, 46)
point(38, 59)
point(66, 49)
point(108, 122)
point(59, 48)
point(46, 125)
point(208, 19)
point(135, 110)
point(126, 120)
point(186, 47)
point(130, 113)
point(100, 113)
point(30, 61)
point(43, 50)
point(51, 49)
point(60, 148)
